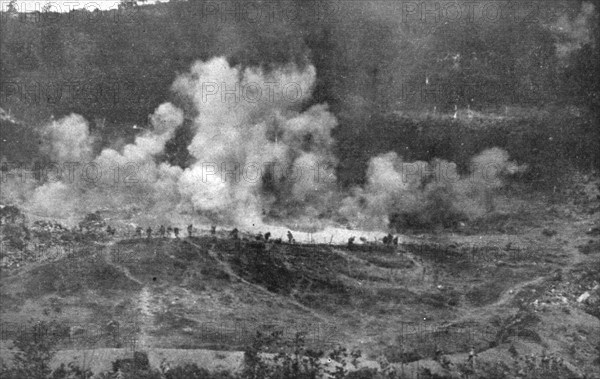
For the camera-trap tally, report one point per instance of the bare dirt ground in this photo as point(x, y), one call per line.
point(510, 285)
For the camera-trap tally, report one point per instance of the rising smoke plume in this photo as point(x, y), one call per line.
point(400, 194)
point(256, 153)
point(248, 127)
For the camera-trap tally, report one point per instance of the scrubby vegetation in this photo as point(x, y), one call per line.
point(293, 361)
point(270, 357)
point(33, 354)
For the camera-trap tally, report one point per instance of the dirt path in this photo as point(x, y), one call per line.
point(146, 318)
point(572, 233)
point(510, 294)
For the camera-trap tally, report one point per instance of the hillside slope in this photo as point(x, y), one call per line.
point(442, 291)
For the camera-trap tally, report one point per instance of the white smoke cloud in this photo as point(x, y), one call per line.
point(112, 180)
point(165, 121)
point(247, 124)
point(55, 199)
point(427, 193)
point(255, 154)
point(70, 139)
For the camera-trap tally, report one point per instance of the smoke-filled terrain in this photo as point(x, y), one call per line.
point(254, 152)
point(414, 181)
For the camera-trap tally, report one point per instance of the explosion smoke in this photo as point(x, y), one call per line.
point(401, 194)
point(255, 154)
point(70, 139)
point(258, 130)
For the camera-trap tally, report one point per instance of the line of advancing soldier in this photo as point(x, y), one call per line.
point(162, 231)
point(233, 234)
point(387, 240)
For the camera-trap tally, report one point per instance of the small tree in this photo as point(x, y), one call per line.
point(32, 360)
point(93, 222)
point(125, 4)
point(12, 7)
point(255, 366)
point(35, 350)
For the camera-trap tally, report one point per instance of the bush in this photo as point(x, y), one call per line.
point(529, 367)
point(14, 236)
point(192, 371)
point(11, 215)
point(34, 353)
point(137, 367)
point(294, 360)
point(93, 222)
point(365, 373)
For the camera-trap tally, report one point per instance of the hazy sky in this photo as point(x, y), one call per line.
point(66, 5)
